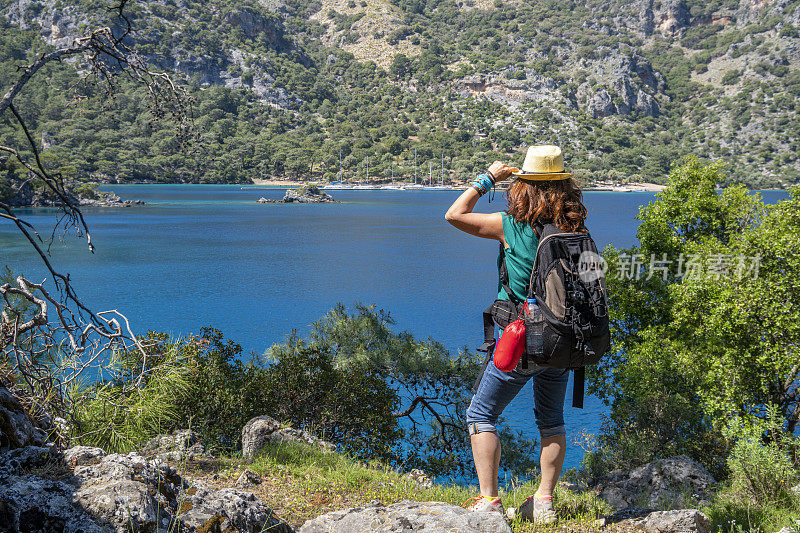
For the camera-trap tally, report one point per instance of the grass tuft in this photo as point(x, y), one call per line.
point(301, 482)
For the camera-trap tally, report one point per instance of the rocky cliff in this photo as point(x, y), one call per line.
point(623, 86)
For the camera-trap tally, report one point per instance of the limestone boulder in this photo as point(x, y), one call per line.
point(181, 445)
point(17, 428)
point(433, 517)
point(677, 521)
point(83, 455)
point(39, 491)
point(263, 430)
point(658, 483)
point(652, 521)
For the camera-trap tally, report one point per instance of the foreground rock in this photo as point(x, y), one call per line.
point(83, 455)
point(652, 521)
point(678, 521)
point(420, 478)
point(309, 194)
point(17, 428)
point(34, 503)
point(247, 479)
point(433, 517)
point(118, 492)
point(657, 483)
point(263, 430)
point(183, 444)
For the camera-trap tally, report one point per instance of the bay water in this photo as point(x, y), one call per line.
point(209, 255)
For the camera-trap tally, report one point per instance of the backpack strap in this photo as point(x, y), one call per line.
point(538, 230)
point(488, 331)
point(578, 385)
point(504, 279)
point(488, 345)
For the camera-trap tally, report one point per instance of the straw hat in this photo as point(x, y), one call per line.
point(543, 163)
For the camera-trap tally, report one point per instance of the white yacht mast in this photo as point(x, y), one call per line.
point(415, 165)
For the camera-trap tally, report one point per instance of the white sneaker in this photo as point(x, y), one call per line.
point(481, 504)
point(538, 511)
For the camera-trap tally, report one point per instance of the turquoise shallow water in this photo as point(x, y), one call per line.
point(200, 255)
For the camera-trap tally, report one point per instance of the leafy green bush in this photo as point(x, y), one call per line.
point(762, 463)
point(299, 384)
point(789, 30)
point(731, 77)
point(762, 472)
point(350, 405)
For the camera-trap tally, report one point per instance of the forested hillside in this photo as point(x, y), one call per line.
point(280, 87)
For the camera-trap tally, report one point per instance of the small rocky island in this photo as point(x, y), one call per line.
point(307, 194)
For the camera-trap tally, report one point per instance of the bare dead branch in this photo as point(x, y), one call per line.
point(31, 69)
point(51, 341)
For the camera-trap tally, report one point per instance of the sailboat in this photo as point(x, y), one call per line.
point(366, 185)
point(430, 186)
point(440, 186)
point(393, 187)
point(340, 184)
point(415, 185)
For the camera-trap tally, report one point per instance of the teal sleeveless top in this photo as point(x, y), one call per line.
point(522, 243)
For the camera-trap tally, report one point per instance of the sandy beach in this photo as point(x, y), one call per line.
point(628, 187)
point(651, 187)
point(279, 183)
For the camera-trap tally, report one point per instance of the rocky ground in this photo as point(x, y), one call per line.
point(172, 484)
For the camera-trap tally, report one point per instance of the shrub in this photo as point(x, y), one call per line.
point(789, 31)
point(731, 77)
point(762, 468)
point(87, 190)
point(349, 405)
point(762, 472)
point(137, 402)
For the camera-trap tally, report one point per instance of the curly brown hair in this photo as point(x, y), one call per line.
point(558, 201)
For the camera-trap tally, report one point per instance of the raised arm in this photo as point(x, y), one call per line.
point(486, 225)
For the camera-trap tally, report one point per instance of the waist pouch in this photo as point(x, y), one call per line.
point(503, 312)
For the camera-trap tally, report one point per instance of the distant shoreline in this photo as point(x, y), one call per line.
point(629, 187)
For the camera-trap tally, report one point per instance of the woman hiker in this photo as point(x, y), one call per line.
point(541, 191)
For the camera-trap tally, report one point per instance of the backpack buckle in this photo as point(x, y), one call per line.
point(486, 347)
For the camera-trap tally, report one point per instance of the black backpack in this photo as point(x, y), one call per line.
point(568, 283)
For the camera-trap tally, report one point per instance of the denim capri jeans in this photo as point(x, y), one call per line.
point(498, 388)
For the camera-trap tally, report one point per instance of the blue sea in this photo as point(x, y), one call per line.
point(209, 255)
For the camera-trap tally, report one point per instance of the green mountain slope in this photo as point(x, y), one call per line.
point(281, 86)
